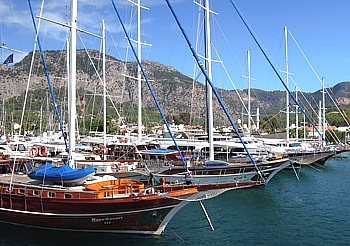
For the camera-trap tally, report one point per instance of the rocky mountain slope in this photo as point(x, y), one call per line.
point(175, 92)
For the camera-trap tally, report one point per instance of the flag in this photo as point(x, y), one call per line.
point(81, 98)
point(9, 59)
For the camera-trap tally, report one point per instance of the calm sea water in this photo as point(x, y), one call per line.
point(312, 211)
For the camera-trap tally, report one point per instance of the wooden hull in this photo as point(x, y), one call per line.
point(141, 222)
point(141, 214)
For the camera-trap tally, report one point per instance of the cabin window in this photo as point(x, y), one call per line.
point(51, 194)
point(36, 193)
point(21, 191)
point(67, 195)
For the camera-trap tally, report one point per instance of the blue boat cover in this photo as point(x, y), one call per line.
point(159, 151)
point(60, 174)
point(215, 163)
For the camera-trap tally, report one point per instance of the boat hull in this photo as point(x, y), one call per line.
point(148, 214)
point(233, 176)
point(140, 222)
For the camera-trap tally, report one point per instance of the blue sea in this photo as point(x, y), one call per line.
point(314, 210)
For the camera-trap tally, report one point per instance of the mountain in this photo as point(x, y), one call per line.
point(175, 92)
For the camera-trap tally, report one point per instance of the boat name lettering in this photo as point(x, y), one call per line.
point(106, 219)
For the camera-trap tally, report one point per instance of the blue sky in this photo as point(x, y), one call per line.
point(320, 28)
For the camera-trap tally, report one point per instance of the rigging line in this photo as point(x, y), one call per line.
point(307, 60)
point(307, 101)
point(30, 70)
point(150, 87)
point(265, 114)
point(200, 65)
point(230, 79)
point(230, 47)
point(167, 226)
point(274, 69)
point(195, 78)
point(112, 38)
point(347, 120)
point(17, 32)
point(47, 74)
point(334, 136)
point(115, 108)
point(340, 108)
point(92, 63)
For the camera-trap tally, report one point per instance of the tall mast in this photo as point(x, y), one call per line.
point(320, 119)
point(3, 118)
point(296, 115)
point(139, 70)
point(287, 78)
point(208, 67)
point(72, 80)
point(139, 84)
point(104, 83)
point(323, 110)
point(249, 112)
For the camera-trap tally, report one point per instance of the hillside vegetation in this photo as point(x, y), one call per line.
point(182, 100)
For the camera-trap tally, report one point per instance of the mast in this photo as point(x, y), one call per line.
point(41, 121)
point(208, 67)
point(320, 118)
point(104, 84)
point(296, 115)
point(323, 110)
point(68, 74)
point(139, 70)
point(3, 118)
point(249, 112)
point(257, 118)
point(139, 84)
point(72, 81)
point(287, 93)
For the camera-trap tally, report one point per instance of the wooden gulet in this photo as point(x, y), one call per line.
point(113, 205)
point(123, 206)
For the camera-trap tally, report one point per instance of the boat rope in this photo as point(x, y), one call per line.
point(295, 172)
point(200, 65)
point(275, 70)
point(150, 87)
point(206, 215)
point(30, 73)
point(311, 166)
point(47, 75)
point(169, 228)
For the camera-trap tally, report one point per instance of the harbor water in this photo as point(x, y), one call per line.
point(313, 210)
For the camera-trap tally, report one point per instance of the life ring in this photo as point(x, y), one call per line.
point(42, 151)
point(114, 166)
point(33, 151)
point(125, 140)
point(103, 150)
point(95, 150)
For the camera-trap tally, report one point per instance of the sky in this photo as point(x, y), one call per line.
point(318, 37)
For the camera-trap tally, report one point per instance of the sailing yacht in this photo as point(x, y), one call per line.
point(101, 205)
point(211, 171)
